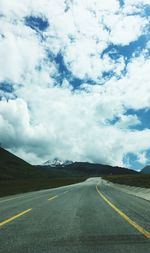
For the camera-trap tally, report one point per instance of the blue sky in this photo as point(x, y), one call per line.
point(133, 160)
point(143, 115)
point(6, 87)
point(74, 81)
point(36, 23)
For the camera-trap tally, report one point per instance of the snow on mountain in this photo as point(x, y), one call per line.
point(57, 162)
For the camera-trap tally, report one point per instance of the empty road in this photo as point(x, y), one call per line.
point(86, 217)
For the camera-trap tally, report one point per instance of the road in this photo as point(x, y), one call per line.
point(87, 217)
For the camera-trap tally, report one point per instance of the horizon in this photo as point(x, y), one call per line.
point(63, 161)
point(74, 81)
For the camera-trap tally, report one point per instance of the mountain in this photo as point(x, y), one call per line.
point(85, 169)
point(146, 170)
point(17, 176)
point(13, 167)
point(57, 162)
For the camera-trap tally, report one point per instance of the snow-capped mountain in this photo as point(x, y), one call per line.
point(57, 162)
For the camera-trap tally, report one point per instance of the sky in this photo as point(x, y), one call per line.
point(75, 80)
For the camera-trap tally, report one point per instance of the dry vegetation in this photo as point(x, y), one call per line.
point(140, 180)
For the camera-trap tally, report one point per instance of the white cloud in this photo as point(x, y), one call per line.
point(136, 141)
point(133, 90)
point(47, 121)
point(125, 29)
point(138, 2)
point(142, 158)
point(127, 121)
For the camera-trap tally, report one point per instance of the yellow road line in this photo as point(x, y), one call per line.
point(15, 217)
point(54, 197)
point(133, 223)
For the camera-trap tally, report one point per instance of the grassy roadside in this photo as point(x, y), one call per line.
point(10, 187)
point(139, 180)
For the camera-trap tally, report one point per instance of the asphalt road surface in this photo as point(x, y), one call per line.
point(86, 217)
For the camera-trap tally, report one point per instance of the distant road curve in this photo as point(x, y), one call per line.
point(91, 216)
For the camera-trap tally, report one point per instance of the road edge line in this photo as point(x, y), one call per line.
point(122, 214)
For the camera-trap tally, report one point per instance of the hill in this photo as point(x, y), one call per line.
point(84, 169)
point(146, 170)
point(13, 167)
point(18, 176)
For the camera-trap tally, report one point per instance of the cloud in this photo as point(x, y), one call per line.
point(62, 93)
point(127, 121)
point(142, 158)
point(125, 29)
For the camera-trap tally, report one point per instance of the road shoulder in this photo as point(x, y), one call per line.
point(140, 192)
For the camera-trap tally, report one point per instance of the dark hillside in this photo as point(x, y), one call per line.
point(12, 167)
point(18, 176)
point(138, 180)
point(146, 170)
point(85, 169)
